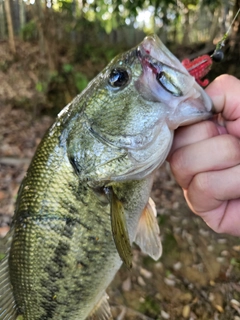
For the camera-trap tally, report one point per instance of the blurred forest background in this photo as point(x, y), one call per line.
point(50, 49)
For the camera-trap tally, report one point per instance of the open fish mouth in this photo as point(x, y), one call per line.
point(166, 80)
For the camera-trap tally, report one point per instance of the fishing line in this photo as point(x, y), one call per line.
point(200, 66)
point(218, 54)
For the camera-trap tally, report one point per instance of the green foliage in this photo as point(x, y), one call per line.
point(170, 245)
point(97, 52)
point(235, 262)
point(150, 307)
point(112, 15)
point(78, 38)
point(4, 65)
point(2, 255)
point(29, 31)
point(168, 273)
point(80, 81)
point(67, 67)
point(66, 6)
point(212, 4)
point(39, 86)
point(105, 12)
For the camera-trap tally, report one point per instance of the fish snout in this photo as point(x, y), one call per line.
point(166, 80)
point(197, 106)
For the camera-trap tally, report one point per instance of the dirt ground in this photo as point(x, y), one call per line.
point(198, 275)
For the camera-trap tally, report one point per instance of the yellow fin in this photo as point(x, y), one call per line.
point(148, 232)
point(101, 311)
point(119, 230)
point(7, 302)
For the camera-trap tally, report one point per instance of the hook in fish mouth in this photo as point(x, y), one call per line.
point(164, 79)
point(154, 64)
point(172, 77)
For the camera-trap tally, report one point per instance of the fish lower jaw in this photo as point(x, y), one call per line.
point(145, 161)
point(173, 123)
point(139, 173)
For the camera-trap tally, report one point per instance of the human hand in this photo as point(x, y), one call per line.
point(205, 160)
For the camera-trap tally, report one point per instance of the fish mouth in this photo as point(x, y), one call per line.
point(152, 49)
point(166, 80)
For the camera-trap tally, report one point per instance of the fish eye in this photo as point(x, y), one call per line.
point(118, 77)
point(168, 84)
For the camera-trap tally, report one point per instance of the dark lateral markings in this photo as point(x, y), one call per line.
point(27, 218)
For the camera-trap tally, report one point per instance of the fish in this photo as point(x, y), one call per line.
point(86, 195)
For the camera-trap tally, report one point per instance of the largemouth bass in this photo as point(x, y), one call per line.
point(85, 197)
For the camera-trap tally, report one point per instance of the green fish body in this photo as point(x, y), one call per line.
point(85, 197)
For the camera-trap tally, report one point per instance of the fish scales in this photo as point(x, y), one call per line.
point(85, 197)
point(58, 231)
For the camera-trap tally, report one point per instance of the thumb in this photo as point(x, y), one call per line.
point(224, 92)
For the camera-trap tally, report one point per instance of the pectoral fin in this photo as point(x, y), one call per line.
point(7, 302)
point(148, 232)
point(119, 230)
point(101, 311)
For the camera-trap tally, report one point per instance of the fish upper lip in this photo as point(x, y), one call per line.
point(152, 47)
point(154, 64)
point(147, 60)
point(153, 55)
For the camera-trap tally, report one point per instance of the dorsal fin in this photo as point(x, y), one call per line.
point(7, 302)
point(102, 310)
point(148, 232)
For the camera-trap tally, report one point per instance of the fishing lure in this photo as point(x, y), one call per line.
point(200, 66)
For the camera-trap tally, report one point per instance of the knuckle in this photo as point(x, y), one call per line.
point(225, 78)
point(201, 184)
point(210, 129)
point(177, 163)
point(231, 147)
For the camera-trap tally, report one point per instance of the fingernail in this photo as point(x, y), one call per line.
point(220, 123)
point(220, 120)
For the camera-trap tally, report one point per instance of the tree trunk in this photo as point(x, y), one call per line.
point(236, 26)
point(3, 30)
point(46, 44)
point(186, 30)
point(22, 13)
point(10, 26)
point(235, 31)
point(215, 25)
point(39, 17)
